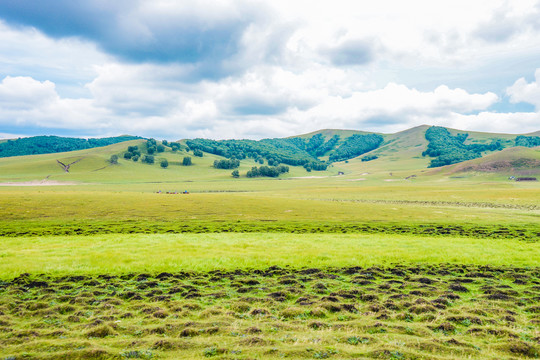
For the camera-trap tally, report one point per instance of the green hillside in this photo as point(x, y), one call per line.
point(368, 156)
point(94, 166)
point(55, 144)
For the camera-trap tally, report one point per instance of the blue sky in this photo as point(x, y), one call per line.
point(176, 69)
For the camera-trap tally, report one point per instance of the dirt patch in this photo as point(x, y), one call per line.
point(39, 183)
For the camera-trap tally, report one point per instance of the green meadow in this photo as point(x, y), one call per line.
point(386, 260)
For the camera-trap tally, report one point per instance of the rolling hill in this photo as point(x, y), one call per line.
point(366, 155)
point(53, 144)
point(515, 161)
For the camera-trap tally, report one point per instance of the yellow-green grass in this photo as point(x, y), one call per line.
point(517, 161)
point(401, 312)
point(298, 205)
point(117, 254)
point(93, 167)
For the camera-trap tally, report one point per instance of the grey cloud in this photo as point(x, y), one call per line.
point(352, 52)
point(128, 30)
point(501, 27)
point(382, 120)
point(498, 29)
point(258, 105)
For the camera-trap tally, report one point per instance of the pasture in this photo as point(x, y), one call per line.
point(299, 268)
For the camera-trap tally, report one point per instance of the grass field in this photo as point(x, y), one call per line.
point(122, 254)
point(311, 266)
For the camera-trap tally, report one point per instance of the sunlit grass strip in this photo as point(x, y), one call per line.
point(116, 254)
point(526, 232)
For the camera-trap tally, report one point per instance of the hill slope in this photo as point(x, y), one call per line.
point(54, 144)
point(395, 156)
point(515, 161)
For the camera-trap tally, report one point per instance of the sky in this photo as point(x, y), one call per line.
point(221, 69)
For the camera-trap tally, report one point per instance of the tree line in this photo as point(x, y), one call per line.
point(54, 144)
point(356, 145)
point(527, 141)
point(448, 149)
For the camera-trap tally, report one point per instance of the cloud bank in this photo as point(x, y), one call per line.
point(252, 69)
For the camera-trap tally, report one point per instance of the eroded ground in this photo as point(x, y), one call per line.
point(400, 312)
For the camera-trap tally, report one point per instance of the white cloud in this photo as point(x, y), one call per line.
point(514, 123)
point(394, 107)
point(294, 68)
point(18, 92)
point(69, 62)
point(28, 102)
point(522, 91)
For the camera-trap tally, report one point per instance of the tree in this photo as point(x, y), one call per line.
point(235, 174)
point(128, 155)
point(114, 159)
point(160, 148)
point(164, 163)
point(198, 153)
point(148, 159)
point(186, 161)
point(135, 158)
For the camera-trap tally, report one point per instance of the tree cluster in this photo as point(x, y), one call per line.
point(315, 166)
point(54, 144)
point(528, 141)
point(356, 145)
point(273, 171)
point(175, 146)
point(448, 149)
point(227, 164)
point(132, 153)
point(276, 151)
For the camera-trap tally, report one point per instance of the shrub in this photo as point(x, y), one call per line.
point(137, 354)
point(369, 157)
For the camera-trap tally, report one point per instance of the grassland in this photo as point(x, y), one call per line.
point(368, 264)
point(122, 254)
point(441, 311)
